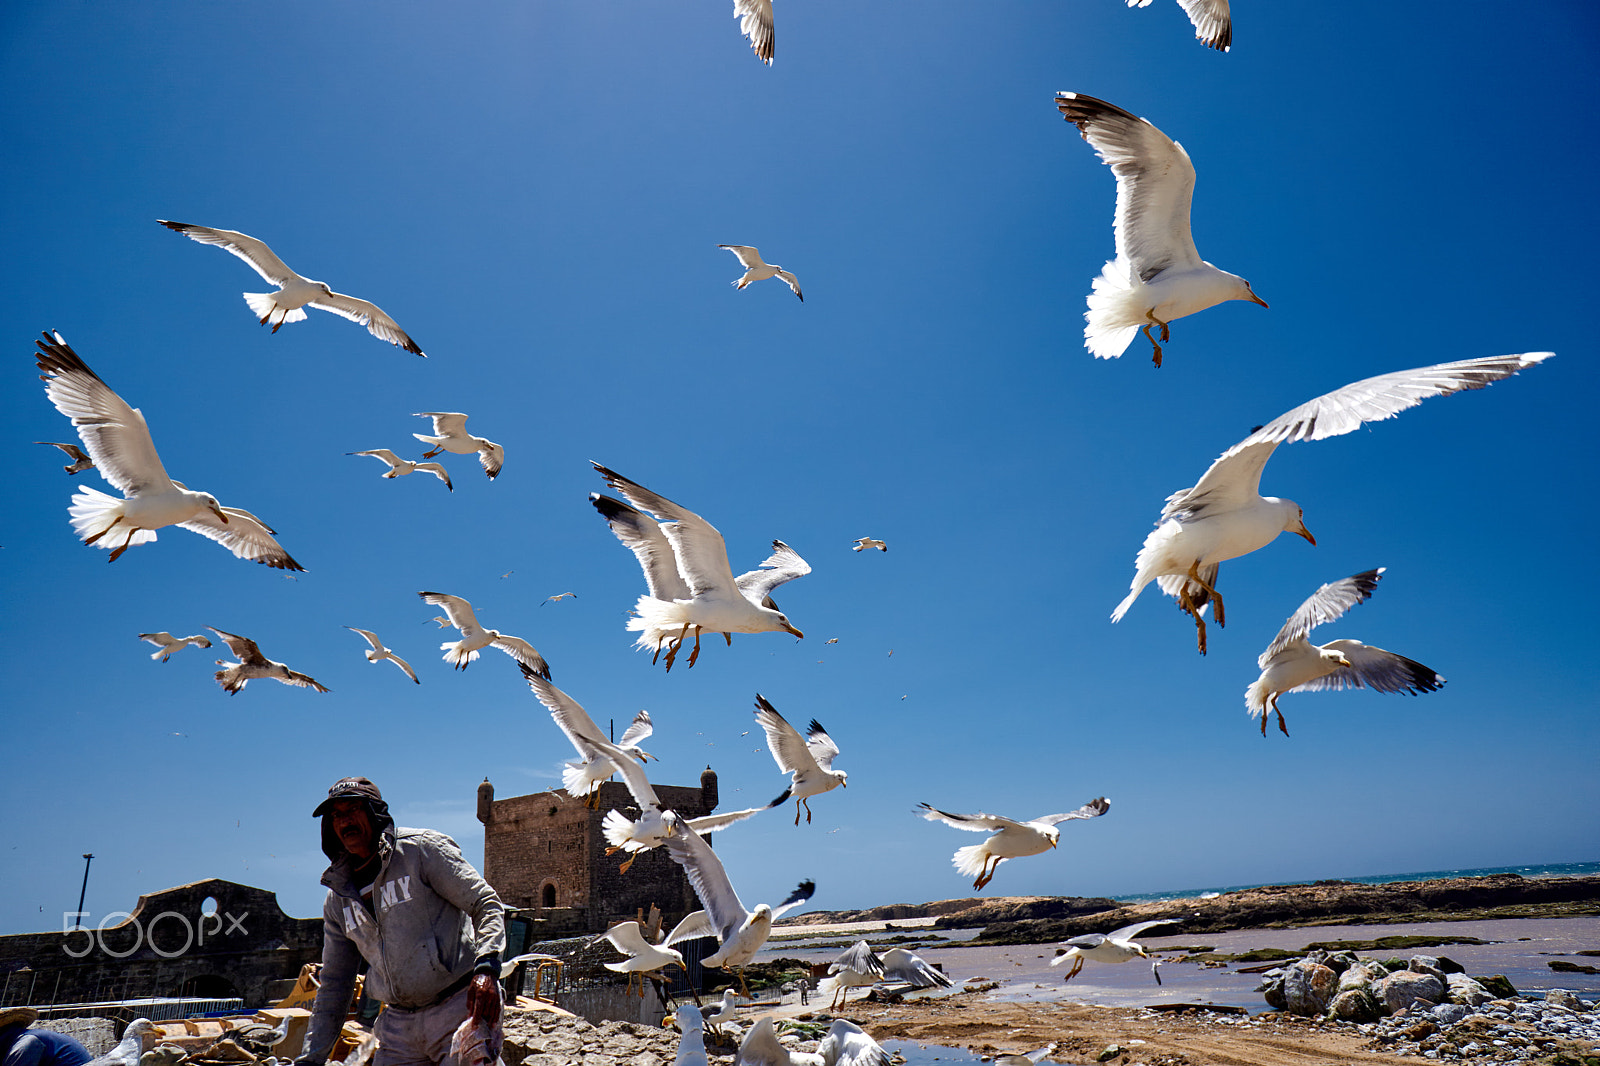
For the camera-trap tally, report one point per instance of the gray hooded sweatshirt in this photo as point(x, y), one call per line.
point(434, 917)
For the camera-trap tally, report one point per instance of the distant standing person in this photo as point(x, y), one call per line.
point(21, 1046)
point(424, 920)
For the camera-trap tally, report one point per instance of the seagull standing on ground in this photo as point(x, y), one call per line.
point(1213, 26)
point(80, 461)
point(809, 762)
point(169, 643)
point(1292, 663)
point(450, 435)
point(399, 467)
point(294, 291)
point(1225, 516)
point(1157, 275)
point(755, 22)
point(118, 440)
point(378, 652)
point(1010, 839)
point(686, 572)
point(739, 932)
point(756, 270)
point(253, 665)
point(1115, 946)
point(474, 636)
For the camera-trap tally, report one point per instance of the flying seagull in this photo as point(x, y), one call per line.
point(118, 440)
point(378, 652)
point(474, 637)
point(856, 967)
point(582, 780)
point(1157, 275)
point(686, 572)
point(643, 957)
point(1224, 516)
point(654, 824)
point(450, 435)
point(808, 761)
point(1010, 839)
point(739, 932)
point(294, 292)
point(1213, 26)
point(755, 22)
point(167, 643)
point(399, 467)
point(1115, 946)
point(80, 461)
point(252, 665)
point(756, 270)
point(902, 965)
point(1292, 663)
point(867, 542)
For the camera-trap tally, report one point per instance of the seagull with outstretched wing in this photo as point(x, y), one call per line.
point(1212, 22)
point(808, 760)
point(756, 270)
point(1114, 947)
point(252, 665)
point(1010, 839)
point(474, 637)
point(377, 653)
point(450, 435)
point(167, 643)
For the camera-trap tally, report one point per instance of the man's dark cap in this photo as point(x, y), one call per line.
point(351, 788)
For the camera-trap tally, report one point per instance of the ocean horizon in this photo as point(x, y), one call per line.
point(1560, 869)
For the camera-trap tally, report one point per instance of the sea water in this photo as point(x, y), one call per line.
point(1564, 869)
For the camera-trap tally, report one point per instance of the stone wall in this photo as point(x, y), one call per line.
point(211, 939)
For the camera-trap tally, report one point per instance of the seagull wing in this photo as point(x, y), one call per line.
point(524, 653)
point(114, 433)
point(370, 315)
point(702, 556)
point(385, 454)
point(1155, 182)
point(749, 258)
point(847, 1044)
point(244, 649)
point(760, 1046)
point(587, 737)
point(803, 891)
point(459, 610)
point(709, 880)
point(1324, 605)
point(642, 535)
point(755, 22)
point(974, 823)
point(244, 535)
point(1374, 668)
point(1213, 25)
point(783, 565)
point(1376, 398)
point(256, 253)
point(903, 965)
point(694, 924)
point(162, 639)
point(446, 423)
point(637, 731)
point(405, 666)
point(821, 745)
point(788, 749)
point(1093, 809)
point(438, 471)
point(295, 677)
point(1233, 481)
point(491, 457)
point(372, 638)
point(793, 283)
point(1128, 932)
point(858, 957)
point(1087, 940)
point(710, 823)
point(628, 938)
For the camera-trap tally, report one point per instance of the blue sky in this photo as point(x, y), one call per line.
point(535, 191)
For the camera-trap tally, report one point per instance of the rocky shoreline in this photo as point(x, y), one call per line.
point(1042, 919)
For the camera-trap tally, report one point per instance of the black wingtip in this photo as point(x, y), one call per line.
point(816, 727)
point(610, 508)
point(781, 799)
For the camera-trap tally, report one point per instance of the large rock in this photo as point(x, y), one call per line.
point(1467, 992)
point(1363, 974)
point(1400, 990)
point(1308, 987)
point(1426, 964)
point(1356, 1005)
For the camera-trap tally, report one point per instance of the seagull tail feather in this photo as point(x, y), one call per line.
point(1113, 316)
point(970, 859)
point(93, 513)
point(617, 828)
point(1255, 697)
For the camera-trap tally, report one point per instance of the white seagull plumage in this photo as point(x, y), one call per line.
point(643, 957)
point(739, 932)
point(450, 435)
point(1213, 25)
point(808, 760)
point(167, 643)
point(902, 965)
point(474, 637)
point(863, 543)
point(118, 440)
point(858, 966)
point(1292, 663)
point(252, 665)
point(377, 653)
point(294, 292)
point(755, 22)
point(1224, 515)
point(756, 270)
point(760, 1047)
point(1157, 275)
point(1010, 840)
point(1113, 947)
point(688, 580)
point(399, 467)
point(727, 1011)
point(80, 458)
point(847, 1044)
point(692, 1044)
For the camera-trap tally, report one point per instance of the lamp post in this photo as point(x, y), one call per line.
point(84, 892)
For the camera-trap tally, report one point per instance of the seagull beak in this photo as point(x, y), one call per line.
point(669, 1022)
point(1257, 300)
point(1344, 662)
point(1306, 533)
point(216, 509)
point(793, 630)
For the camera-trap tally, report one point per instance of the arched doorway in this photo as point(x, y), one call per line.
point(548, 899)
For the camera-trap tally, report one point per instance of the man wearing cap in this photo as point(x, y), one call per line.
point(21, 1046)
point(424, 920)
